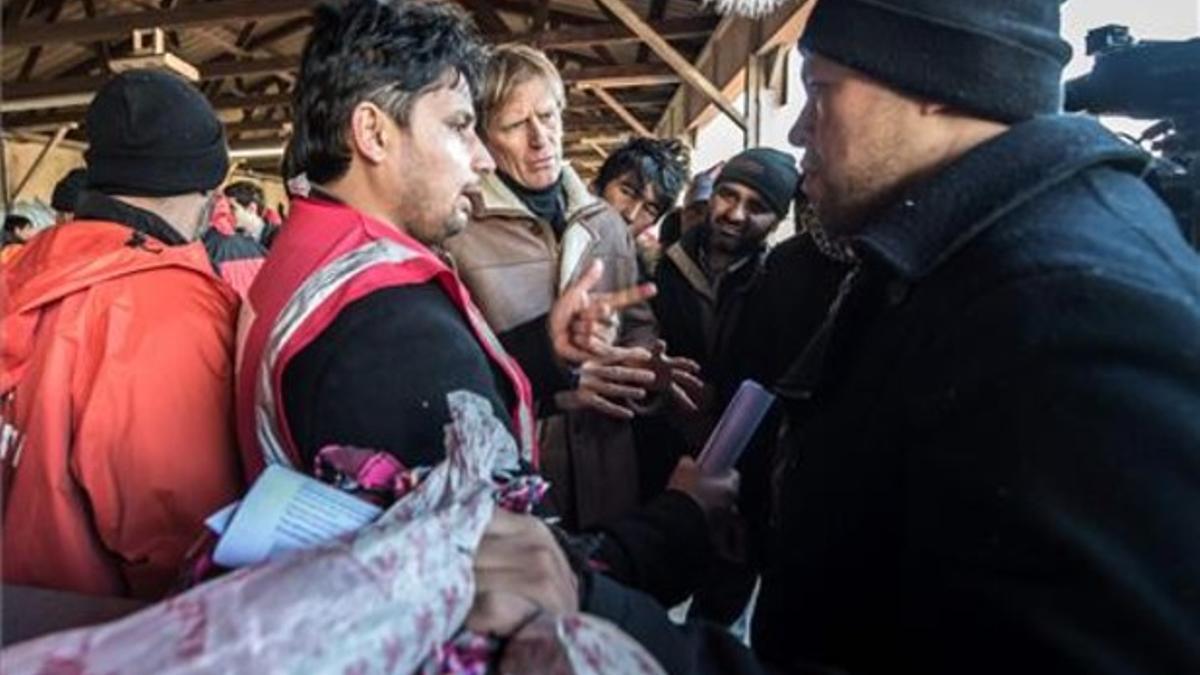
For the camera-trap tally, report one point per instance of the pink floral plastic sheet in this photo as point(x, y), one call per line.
point(390, 599)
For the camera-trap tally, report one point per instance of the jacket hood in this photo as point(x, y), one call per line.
point(70, 258)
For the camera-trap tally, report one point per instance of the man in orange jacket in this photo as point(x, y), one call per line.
point(117, 362)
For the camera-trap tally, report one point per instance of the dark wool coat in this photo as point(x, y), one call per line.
point(993, 456)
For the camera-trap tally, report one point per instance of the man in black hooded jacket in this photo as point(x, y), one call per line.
point(993, 452)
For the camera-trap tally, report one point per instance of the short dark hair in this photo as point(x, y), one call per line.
point(67, 191)
point(246, 193)
point(385, 51)
point(660, 163)
point(12, 223)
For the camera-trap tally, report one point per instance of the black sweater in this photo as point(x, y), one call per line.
point(377, 378)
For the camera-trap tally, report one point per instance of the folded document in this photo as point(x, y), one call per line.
point(285, 511)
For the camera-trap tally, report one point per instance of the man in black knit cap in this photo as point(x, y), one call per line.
point(706, 279)
point(116, 385)
point(992, 462)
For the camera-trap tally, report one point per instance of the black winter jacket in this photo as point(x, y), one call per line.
point(697, 319)
point(993, 457)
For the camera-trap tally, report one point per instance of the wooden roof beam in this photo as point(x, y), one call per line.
point(57, 117)
point(15, 91)
point(58, 137)
point(724, 60)
point(486, 16)
point(621, 111)
point(681, 64)
point(17, 94)
point(281, 32)
point(120, 25)
point(619, 77)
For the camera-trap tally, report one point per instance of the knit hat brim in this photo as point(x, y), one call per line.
point(932, 57)
point(158, 176)
point(769, 172)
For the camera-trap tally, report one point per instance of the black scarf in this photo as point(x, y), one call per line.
point(99, 206)
point(548, 204)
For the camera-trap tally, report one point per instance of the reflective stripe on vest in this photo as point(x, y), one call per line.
point(312, 294)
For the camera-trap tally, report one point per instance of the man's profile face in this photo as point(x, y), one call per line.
point(738, 218)
point(639, 204)
point(439, 163)
point(857, 135)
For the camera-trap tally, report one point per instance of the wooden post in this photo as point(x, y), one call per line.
point(41, 158)
point(678, 62)
point(4, 172)
point(754, 94)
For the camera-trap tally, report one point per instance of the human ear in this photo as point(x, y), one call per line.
point(369, 132)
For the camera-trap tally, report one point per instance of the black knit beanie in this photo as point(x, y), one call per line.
point(771, 173)
point(1001, 59)
point(152, 134)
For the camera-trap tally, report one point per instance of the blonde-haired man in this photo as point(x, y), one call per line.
point(536, 227)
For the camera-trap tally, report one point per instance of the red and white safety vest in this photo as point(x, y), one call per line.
point(327, 256)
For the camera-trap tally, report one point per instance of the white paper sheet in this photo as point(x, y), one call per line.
point(288, 511)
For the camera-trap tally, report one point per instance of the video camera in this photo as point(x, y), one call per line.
point(1151, 80)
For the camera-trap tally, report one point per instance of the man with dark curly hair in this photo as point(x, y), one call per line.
point(642, 180)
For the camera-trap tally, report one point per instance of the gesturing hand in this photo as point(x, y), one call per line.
point(607, 384)
point(583, 324)
point(677, 376)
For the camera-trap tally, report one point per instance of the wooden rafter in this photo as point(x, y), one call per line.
point(597, 149)
point(27, 121)
point(620, 77)
point(31, 57)
point(51, 144)
point(724, 61)
point(14, 12)
point(657, 9)
point(565, 13)
point(607, 76)
point(283, 31)
point(100, 46)
point(621, 111)
point(677, 61)
point(120, 25)
point(610, 34)
point(246, 51)
point(486, 16)
point(540, 17)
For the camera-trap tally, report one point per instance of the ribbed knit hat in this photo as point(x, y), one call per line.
point(1001, 59)
point(152, 134)
point(771, 173)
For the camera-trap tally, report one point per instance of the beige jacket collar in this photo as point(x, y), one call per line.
point(499, 200)
point(580, 235)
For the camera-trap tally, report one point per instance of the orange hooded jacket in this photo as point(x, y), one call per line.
point(116, 383)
